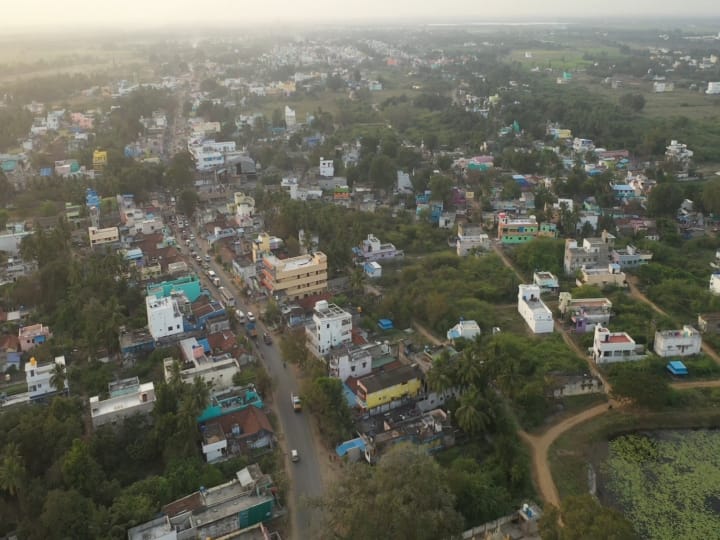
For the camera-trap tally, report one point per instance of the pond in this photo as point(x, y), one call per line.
point(667, 483)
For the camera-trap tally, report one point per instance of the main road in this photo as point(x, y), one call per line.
point(305, 475)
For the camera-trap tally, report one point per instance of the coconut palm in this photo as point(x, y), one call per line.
point(58, 377)
point(12, 469)
point(472, 414)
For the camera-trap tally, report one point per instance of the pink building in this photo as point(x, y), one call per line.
point(33, 335)
point(81, 120)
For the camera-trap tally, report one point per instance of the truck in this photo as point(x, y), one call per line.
point(251, 329)
point(296, 403)
point(216, 281)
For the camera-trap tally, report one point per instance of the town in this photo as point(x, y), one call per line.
point(443, 282)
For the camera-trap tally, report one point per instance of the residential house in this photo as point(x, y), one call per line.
point(382, 389)
point(196, 361)
point(359, 360)
point(547, 282)
point(127, 398)
point(218, 512)
point(39, 377)
point(516, 231)
point(230, 400)
point(372, 249)
point(574, 385)
point(331, 328)
point(296, 277)
point(601, 276)
point(592, 252)
point(244, 207)
point(372, 269)
point(585, 313)
point(684, 342)
point(471, 239)
point(164, 316)
point(709, 322)
point(630, 257)
point(609, 347)
point(32, 336)
point(188, 286)
point(236, 433)
point(533, 310)
point(715, 283)
point(464, 330)
point(103, 237)
point(327, 168)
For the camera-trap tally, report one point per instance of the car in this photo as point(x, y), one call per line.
point(294, 456)
point(198, 258)
point(267, 339)
point(207, 258)
point(250, 316)
point(192, 237)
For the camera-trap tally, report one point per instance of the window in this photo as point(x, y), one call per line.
point(170, 328)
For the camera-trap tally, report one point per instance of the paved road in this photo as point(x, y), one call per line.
point(305, 475)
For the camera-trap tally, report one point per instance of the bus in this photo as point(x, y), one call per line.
point(227, 297)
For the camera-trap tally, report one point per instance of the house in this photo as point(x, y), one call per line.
point(164, 316)
point(230, 400)
point(102, 237)
point(684, 342)
point(592, 252)
point(358, 360)
point(372, 249)
point(127, 398)
point(470, 239)
point(464, 330)
point(197, 362)
point(327, 168)
point(331, 328)
point(533, 310)
point(709, 322)
point(188, 286)
point(601, 276)
point(39, 377)
point(296, 277)
point(547, 282)
point(630, 257)
point(385, 387)
point(585, 313)
point(244, 207)
point(715, 283)
point(218, 512)
point(32, 336)
point(446, 220)
point(609, 347)
point(236, 433)
point(290, 117)
point(516, 231)
point(372, 269)
point(574, 385)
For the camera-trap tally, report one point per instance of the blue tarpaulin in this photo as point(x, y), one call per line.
point(676, 367)
point(385, 324)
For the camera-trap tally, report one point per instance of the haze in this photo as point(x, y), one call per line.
point(131, 14)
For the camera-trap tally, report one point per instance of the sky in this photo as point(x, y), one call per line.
point(130, 14)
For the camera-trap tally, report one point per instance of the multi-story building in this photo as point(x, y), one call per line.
point(464, 330)
point(684, 342)
point(533, 310)
point(630, 257)
point(231, 400)
point(32, 336)
point(331, 328)
point(128, 397)
point(359, 360)
point(244, 209)
point(547, 281)
point(601, 276)
point(470, 239)
point(372, 249)
point(196, 362)
point(385, 387)
point(296, 277)
point(210, 154)
point(585, 313)
point(188, 286)
point(715, 283)
point(592, 252)
point(327, 168)
point(264, 245)
point(164, 316)
point(100, 237)
point(678, 152)
point(516, 231)
point(609, 347)
point(39, 377)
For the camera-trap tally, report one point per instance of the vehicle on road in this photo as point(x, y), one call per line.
point(240, 316)
point(267, 339)
point(227, 297)
point(251, 329)
point(250, 316)
point(216, 281)
point(296, 403)
point(207, 258)
point(294, 455)
point(198, 258)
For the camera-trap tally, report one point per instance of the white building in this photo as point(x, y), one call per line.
point(404, 184)
point(373, 269)
point(715, 283)
point(331, 328)
point(127, 398)
point(164, 317)
point(353, 361)
point(582, 145)
point(547, 281)
point(685, 342)
point(677, 151)
point(464, 330)
point(38, 377)
point(244, 208)
point(99, 237)
point(290, 119)
point(713, 88)
point(210, 154)
point(609, 347)
point(217, 371)
point(327, 168)
point(601, 276)
point(536, 314)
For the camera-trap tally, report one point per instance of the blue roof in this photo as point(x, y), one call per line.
point(350, 396)
point(345, 447)
point(205, 345)
point(385, 324)
point(676, 367)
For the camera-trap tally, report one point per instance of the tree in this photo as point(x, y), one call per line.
point(471, 415)
point(382, 172)
point(58, 376)
point(292, 347)
point(80, 470)
point(665, 199)
point(646, 388)
point(711, 196)
point(405, 497)
point(632, 102)
point(188, 201)
point(4, 216)
point(181, 170)
point(12, 469)
point(67, 514)
point(272, 315)
point(441, 188)
point(324, 396)
point(583, 517)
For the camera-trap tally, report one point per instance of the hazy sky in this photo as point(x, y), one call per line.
point(65, 14)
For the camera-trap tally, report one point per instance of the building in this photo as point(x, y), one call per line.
point(385, 387)
point(372, 269)
point(533, 310)
point(574, 385)
point(218, 512)
point(585, 313)
point(372, 249)
point(127, 398)
point(164, 317)
point(358, 360)
point(678, 152)
point(290, 117)
point(464, 330)
point(630, 257)
point(210, 154)
point(327, 168)
point(684, 342)
point(592, 252)
point(601, 276)
point(715, 283)
point(296, 277)
point(235, 433)
point(231, 400)
point(471, 239)
point(32, 336)
point(331, 328)
point(244, 209)
point(100, 237)
point(100, 159)
point(547, 282)
point(713, 88)
point(709, 322)
point(39, 376)
point(516, 231)
point(188, 286)
point(609, 347)
point(197, 360)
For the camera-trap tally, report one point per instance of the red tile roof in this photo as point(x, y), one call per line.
point(10, 343)
point(223, 341)
point(251, 421)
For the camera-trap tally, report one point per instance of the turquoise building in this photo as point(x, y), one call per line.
point(230, 401)
point(189, 285)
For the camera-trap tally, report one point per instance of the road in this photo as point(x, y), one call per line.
point(296, 428)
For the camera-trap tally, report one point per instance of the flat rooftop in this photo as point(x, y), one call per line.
point(332, 310)
point(589, 302)
point(122, 402)
point(293, 263)
point(618, 337)
point(385, 379)
point(537, 305)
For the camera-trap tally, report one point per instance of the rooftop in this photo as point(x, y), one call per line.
point(327, 310)
point(121, 402)
point(294, 263)
point(385, 379)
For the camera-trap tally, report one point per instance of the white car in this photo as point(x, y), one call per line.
point(294, 456)
point(250, 316)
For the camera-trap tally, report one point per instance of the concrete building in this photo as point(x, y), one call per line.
point(38, 377)
point(684, 342)
point(609, 347)
point(713, 88)
point(630, 257)
point(715, 283)
point(372, 269)
point(547, 282)
point(709, 323)
point(331, 328)
point(533, 310)
point(290, 117)
point(230, 400)
point(574, 385)
point(239, 432)
point(585, 313)
point(327, 168)
point(516, 231)
point(601, 276)
point(464, 330)
point(372, 249)
point(382, 388)
point(127, 398)
point(471, 239)
point(593, 252)
point(164, 317)
point(244, 209)
point(32, 336)
point(197, 362)
point(296, 277)
point(356, 360)
point(210, 154)
point(100, 237)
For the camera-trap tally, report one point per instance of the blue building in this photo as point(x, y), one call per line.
point(229, 401)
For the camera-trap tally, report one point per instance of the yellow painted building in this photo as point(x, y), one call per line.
point(296, 277)
point(100, 159)
point(385, 387)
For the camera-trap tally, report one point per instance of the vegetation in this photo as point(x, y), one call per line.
point(583, 517)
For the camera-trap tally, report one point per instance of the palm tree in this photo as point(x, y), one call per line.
point(357, 281)
point(471, 368)
point(58, 377)
point(439, 377)
point(12, 469)
point(472, 415)
point(509, 377)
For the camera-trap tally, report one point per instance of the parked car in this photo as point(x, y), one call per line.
point(267, 339)
point(294, 455)
point(250, 316)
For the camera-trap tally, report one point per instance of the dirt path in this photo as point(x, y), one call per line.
point(427, 334)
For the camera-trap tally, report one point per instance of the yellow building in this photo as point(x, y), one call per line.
point(385, 387)
point(99, 237)
point(100, 158)
point(295, 278)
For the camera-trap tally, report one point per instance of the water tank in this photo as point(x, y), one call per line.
point(321, 305)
